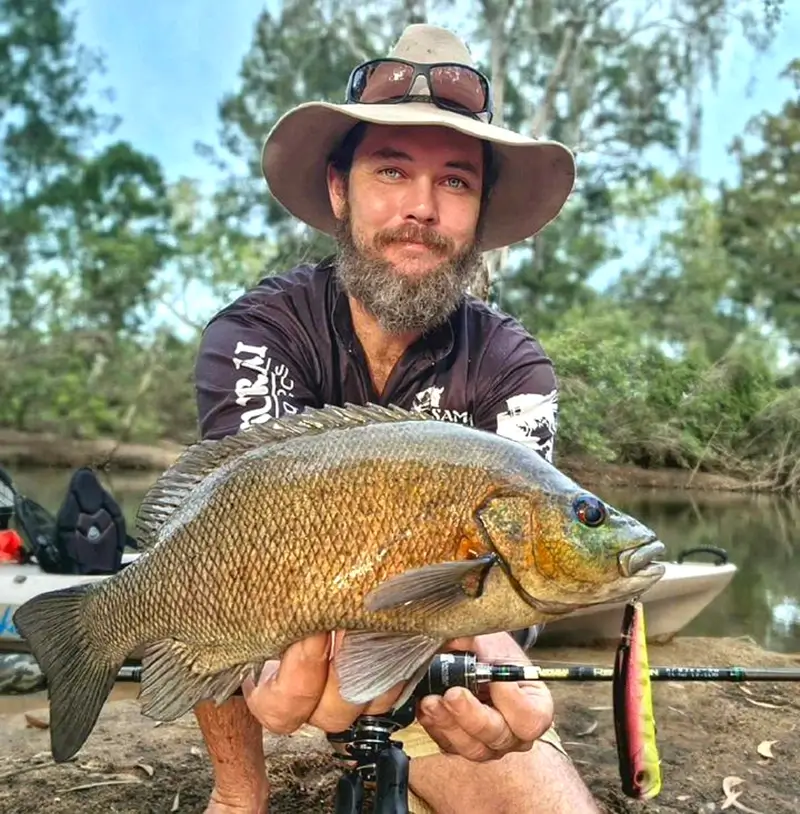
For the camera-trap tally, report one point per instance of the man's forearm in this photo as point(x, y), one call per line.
point(234, 742)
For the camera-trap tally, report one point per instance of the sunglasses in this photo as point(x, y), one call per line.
point(452, 86)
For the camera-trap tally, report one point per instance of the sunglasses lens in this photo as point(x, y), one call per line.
point(456, 86)
point(381, 82)
point(459, 86)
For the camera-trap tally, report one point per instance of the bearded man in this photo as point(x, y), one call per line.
point(414, 183)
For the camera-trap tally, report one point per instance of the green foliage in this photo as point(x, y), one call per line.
point(627, 400)
point(760, 217)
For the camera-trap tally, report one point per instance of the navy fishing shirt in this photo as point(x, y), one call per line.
point(288, 343)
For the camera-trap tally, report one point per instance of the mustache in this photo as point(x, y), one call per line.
point(414, 233)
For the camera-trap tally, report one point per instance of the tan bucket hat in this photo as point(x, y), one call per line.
point(534, 177)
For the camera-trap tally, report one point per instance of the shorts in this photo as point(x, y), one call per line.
point(417, 743)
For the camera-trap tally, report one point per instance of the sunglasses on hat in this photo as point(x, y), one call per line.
point(452, 86)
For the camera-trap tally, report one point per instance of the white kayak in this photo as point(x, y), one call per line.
point(684, 591)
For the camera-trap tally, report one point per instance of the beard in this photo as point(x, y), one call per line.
point(402, 303)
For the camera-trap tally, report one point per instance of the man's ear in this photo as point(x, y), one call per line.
point(337, 191)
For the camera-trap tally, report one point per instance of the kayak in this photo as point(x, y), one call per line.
point(679, 597)
point(685, 590)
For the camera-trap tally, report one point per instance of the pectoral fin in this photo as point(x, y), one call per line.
point(368, 664)
point(434, 587)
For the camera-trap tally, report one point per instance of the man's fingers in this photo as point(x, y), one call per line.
point(447, 730)
point(479, 721)
point(526, 708)
point(332, 713)
point(514, 719)
point(287, 699)
point(383, 703)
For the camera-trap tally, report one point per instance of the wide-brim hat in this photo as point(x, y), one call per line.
point(534, 177)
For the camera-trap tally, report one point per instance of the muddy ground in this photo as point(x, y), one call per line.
point(709, 736)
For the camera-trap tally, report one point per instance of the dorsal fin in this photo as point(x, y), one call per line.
point(199, 460)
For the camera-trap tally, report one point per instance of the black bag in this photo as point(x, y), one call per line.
point(88, 535)
point(90, 531)
point(34, 524)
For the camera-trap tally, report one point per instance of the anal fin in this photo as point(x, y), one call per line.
point(370, 663)
point(172, 683)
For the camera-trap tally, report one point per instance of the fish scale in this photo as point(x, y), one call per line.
point(401, 529)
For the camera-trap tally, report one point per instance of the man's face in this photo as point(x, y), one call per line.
point(408, 218)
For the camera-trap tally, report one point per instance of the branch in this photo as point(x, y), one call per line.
point(197, 326)
point(542, 116)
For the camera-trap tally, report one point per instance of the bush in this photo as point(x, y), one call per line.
point(627, 399)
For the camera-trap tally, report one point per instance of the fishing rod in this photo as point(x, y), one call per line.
point(473, 673)
point(458, 669)
point(374, 761)
point(462, 669)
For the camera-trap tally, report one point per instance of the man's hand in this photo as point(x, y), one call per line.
point(303, 688)
point(520, 713)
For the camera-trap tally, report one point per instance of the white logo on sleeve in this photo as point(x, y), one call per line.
point(531, 418)
point(271, 386)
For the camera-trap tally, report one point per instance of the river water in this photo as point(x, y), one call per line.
point(760, 533)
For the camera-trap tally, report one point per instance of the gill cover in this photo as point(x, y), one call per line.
point(526, 536)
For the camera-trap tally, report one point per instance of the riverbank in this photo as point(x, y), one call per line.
point(28, 450)
point(712, 737)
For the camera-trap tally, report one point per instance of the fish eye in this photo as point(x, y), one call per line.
point(590, 511)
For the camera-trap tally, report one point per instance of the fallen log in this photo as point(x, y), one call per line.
point(21, 449)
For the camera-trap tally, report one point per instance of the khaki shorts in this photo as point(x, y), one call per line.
point(417, 743)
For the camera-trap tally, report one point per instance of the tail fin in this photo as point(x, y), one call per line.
point(79, 676)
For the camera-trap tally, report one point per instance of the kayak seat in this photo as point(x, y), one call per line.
point(90, 532)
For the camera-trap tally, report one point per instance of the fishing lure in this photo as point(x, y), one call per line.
point(634, 721)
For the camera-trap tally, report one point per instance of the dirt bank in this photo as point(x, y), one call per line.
point(20, 449)
point(600, 474)
point(40, 450)
point(709, 735)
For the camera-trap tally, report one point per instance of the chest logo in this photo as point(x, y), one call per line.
point(429, 402)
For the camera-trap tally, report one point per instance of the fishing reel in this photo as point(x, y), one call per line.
point(375, 765)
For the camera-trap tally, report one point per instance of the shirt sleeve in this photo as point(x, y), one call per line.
point(519, 396)
point(248, 371)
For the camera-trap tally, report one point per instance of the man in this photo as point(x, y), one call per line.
point(414, 183)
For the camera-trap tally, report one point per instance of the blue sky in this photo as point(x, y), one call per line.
point(168, 64)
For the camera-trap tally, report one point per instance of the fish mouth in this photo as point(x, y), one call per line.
point(640, 561)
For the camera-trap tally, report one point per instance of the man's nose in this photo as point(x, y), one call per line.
point(420, 201)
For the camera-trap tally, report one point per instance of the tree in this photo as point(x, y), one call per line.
point(607, 77)
point(760, 216)
point(45, 122)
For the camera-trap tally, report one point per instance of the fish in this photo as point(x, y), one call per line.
point(634, 720)
point(402, 530)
